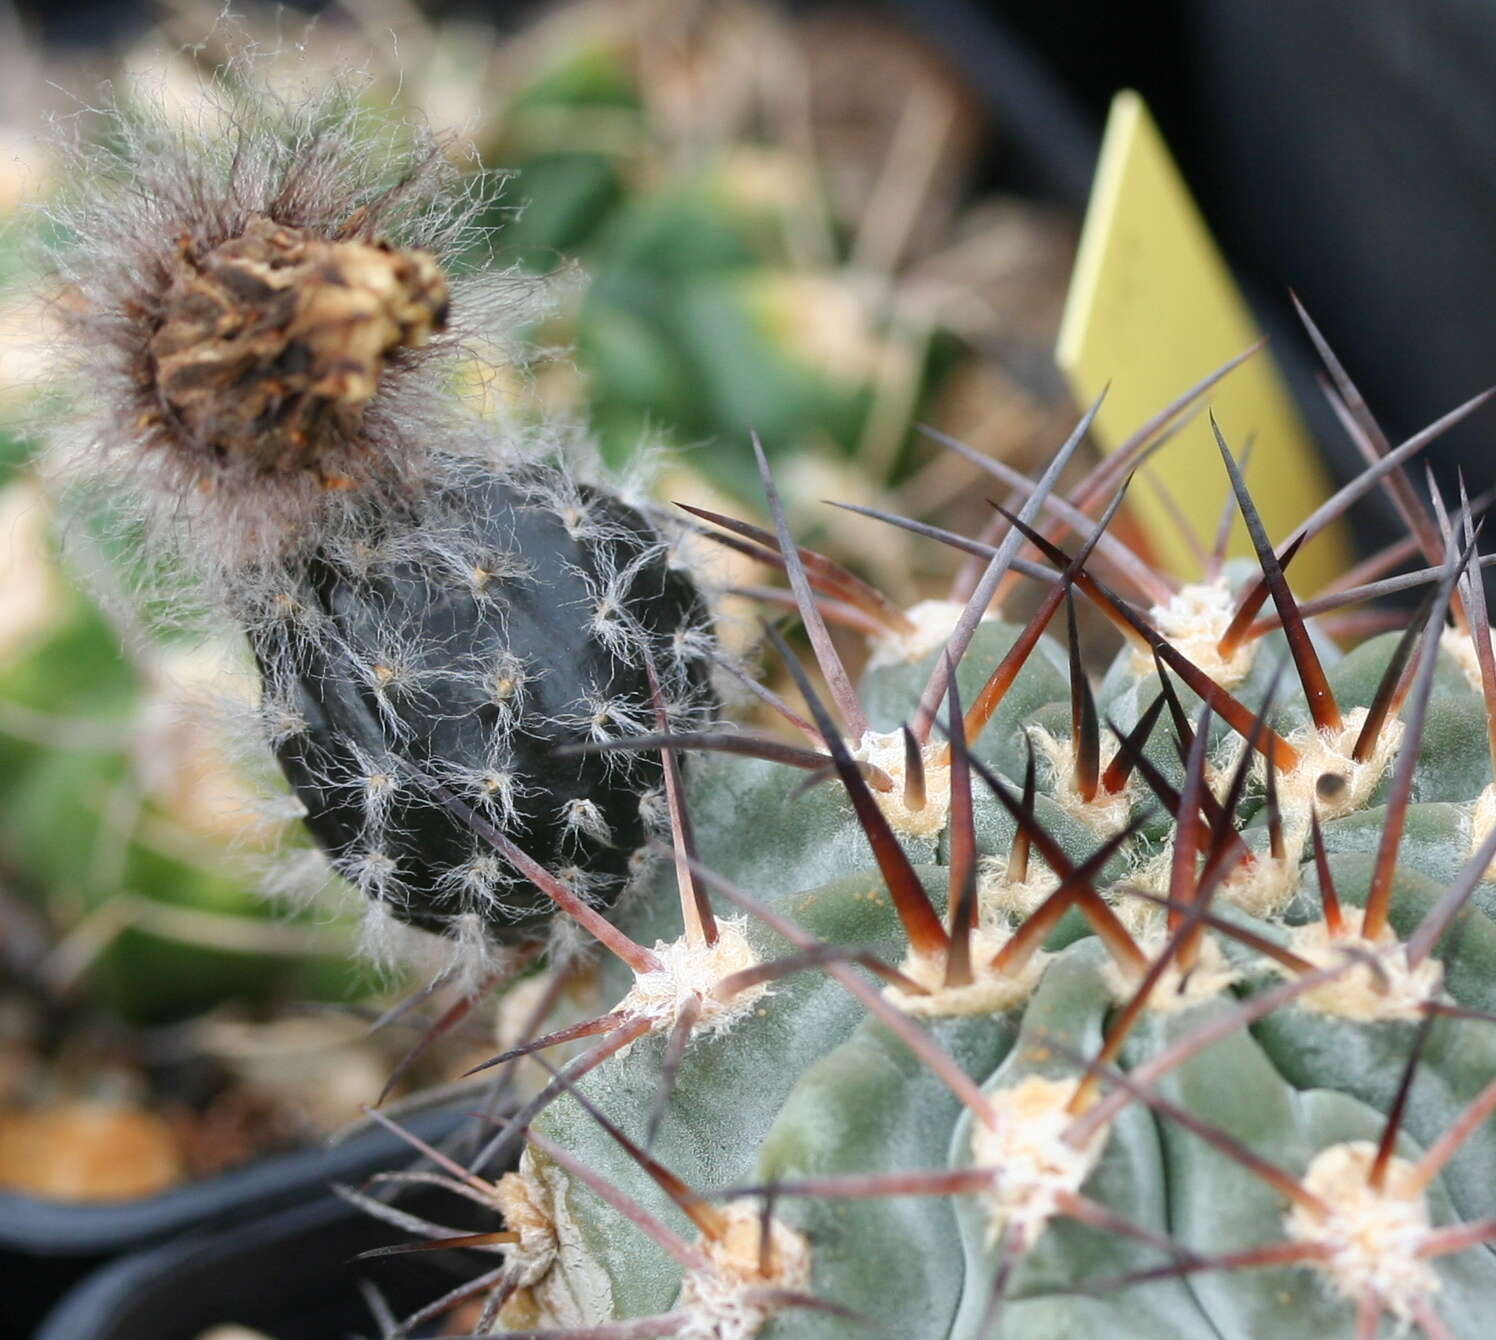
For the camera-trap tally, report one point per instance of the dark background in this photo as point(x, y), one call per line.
point(1342, 148)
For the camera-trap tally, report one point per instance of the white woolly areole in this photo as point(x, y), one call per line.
point(1141, 917)
point(1482, 820)
point(990, 993)
point(1265, 887)
point(1105, 813)
point(886, 751)
point(1193, 620)
point(1144, 918)
point(934, 621)
point(1260, 887)
point(573, 1289)
point(1461, 647)
point(1363, 993)
point(1211, 976)
point(1373, 1235)
point(1328, 780)
point(1326, 755)
point(714, 1299)
point(1033, 1163)
point(998, 895)
point(531, 1257)
point(690, 972)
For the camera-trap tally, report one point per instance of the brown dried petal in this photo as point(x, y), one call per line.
point(273, 342)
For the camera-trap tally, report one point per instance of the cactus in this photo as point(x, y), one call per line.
point(1161, 1007)
point(263, 303)
point(1015, 1000)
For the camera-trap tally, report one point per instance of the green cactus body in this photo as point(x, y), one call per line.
point(997, 1185)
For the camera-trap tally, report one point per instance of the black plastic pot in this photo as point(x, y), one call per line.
point(46, 1246)
point(291, 1275)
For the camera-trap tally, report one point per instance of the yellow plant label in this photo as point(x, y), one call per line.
point(1152, 309)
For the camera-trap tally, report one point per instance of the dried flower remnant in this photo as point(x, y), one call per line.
point(261, 306)
point(274, 342)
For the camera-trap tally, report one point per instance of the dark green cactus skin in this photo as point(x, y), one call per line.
point(812, 1086)
point(412, 669)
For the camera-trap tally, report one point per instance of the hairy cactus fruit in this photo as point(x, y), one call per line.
point(270, 307)
point(433, 683)
point(1024, 1001)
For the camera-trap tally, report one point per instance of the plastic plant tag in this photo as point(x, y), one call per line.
point(1152, 308)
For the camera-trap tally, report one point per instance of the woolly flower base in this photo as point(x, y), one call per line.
point(249, 303)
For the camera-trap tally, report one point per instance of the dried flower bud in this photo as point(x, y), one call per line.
point(255, 306)
point(274, 342)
